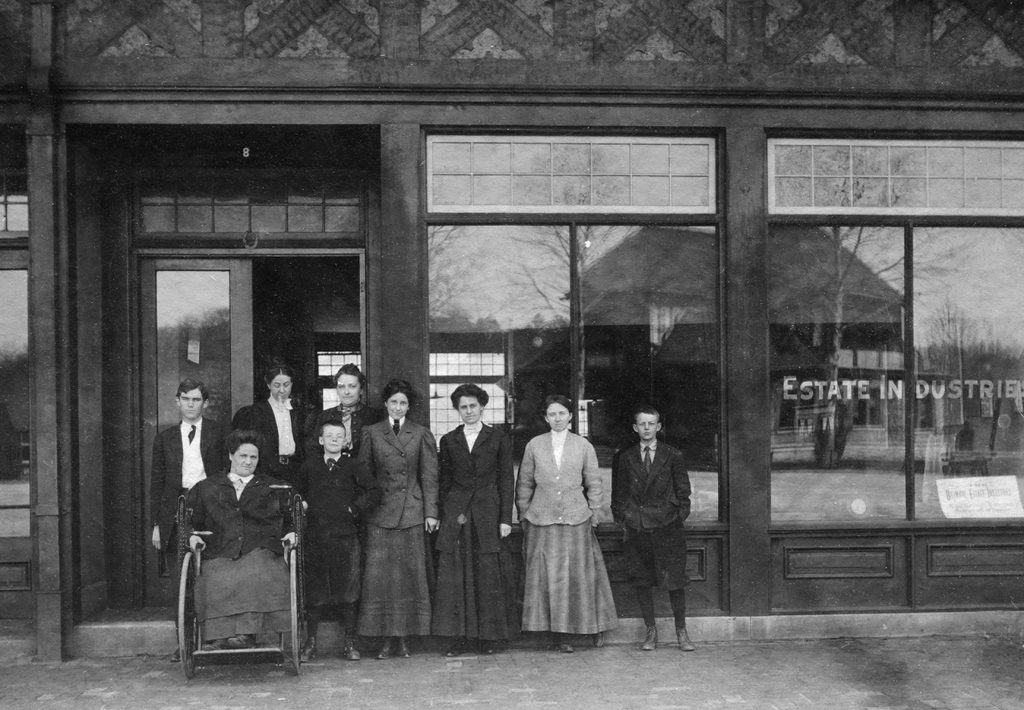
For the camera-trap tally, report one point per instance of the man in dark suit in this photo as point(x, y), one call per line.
point(650, 500)
point(183, 455)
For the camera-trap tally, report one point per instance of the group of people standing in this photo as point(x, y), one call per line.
point(380, 490)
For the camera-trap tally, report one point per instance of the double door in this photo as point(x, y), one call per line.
point(222, 322)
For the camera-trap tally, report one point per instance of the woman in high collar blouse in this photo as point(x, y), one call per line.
point(559, 489)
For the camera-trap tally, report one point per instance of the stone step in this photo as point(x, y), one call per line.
point(111, 637)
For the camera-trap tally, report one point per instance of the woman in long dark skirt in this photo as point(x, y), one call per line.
point(476, 489)
point(395, 601)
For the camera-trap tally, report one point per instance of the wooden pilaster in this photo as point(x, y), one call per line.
point(49, 343)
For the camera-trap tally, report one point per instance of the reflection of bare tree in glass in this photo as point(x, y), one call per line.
point(13, 410)
point(835, 282)
point(212, 330)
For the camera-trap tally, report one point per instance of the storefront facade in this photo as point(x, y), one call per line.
point(792, 230)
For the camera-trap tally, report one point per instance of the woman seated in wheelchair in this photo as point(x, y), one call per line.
point(242, 522)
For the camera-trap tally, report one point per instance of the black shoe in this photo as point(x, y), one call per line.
point(176, 656)
point(486, 648)
point(386, 651)
point(599, 639)
point(651, 640)
point(308, 652)
point(684, 640)
point(402, 650)
point(215, 645)
point(239, 642)
point(457, 648)
point(350, 653)
point(564, 648)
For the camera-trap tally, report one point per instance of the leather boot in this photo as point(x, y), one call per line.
point(386, 650)
point(684, 640)
point(651, 640)
point(349, 652)
point(308, 652)
point(402, 648)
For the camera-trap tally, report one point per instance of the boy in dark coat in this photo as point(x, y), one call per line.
point(340, 493)
point(650, 500)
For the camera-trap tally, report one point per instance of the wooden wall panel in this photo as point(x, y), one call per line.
point(705, 565)
point(969, 571)
point(839, 574)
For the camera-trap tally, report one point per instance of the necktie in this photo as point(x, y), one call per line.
point(331, 463)
point(192, 433)
point(396, 427)
point(647, 459)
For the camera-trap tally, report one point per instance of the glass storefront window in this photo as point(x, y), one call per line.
point(836, 310)
point(193, 339)
point(969, 349)
point(625, 314)
point(14, 405)
point(649, 310)
point(499, 318)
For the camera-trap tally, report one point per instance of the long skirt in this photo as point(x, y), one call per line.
point(395, 599)
point(656, 558)
point(250, 595)
point(474, 593)
point(566, 583)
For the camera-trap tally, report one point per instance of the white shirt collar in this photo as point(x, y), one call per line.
point(274, 404)
point(473, 428)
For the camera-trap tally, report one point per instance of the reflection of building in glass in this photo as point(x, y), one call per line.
point(650, 334)
point(836, 313)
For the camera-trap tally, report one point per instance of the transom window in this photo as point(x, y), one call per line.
point(912, 177)
point(597, 175)
point(265, 205)
point(13, 202)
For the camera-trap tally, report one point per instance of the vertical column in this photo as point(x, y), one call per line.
point(397, 267)
point(746, 372)
point(49, 305)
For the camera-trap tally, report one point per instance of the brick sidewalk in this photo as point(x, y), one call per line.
point(915, 673)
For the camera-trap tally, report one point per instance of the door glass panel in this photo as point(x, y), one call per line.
point(650, 336)
point(969, 345)
point(193, 339)
point(14, 405)
point(499, 318)
point(835, 300)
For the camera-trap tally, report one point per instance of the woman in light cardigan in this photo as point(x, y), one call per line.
point(559, 488)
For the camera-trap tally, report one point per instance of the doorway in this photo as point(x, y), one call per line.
point(223, 322)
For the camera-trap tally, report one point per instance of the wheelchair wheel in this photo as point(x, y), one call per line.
point(188, 625)
point(293, 579)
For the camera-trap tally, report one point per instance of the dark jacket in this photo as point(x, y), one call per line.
point(338, 499)
point(478, 485)
point(360, 418)
point(645, 502)
point(406, 468)
point(260, 417)
point(165, 479)
point(260, 518)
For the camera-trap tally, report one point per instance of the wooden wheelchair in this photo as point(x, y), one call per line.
point(190, 629)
